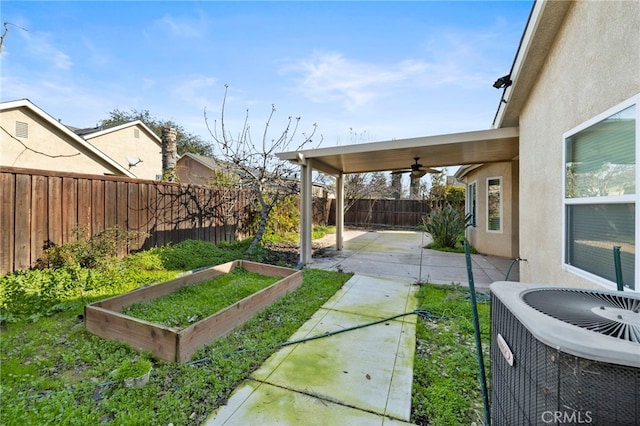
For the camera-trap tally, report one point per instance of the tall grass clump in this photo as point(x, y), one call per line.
point(446, 225)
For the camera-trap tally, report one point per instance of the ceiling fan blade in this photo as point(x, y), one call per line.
point(430, 170)
point(398, 172)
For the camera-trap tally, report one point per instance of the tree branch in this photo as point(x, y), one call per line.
point(26, 148)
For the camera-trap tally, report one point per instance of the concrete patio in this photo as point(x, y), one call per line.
point(400, 254)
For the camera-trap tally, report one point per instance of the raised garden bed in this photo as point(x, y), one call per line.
point(105, 319)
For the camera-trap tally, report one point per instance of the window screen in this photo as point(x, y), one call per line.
point(472, 204)
point(592, 232)
point(600, 160)
point(494, 205)
point(600, 196)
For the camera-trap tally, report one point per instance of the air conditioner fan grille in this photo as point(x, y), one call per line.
point(609, 314)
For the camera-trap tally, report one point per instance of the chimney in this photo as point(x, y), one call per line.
point(169, 154)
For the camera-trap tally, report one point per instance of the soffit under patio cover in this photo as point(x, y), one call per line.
point(485, 146)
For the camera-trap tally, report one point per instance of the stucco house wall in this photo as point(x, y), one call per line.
point(132, 141)
point(56, 148)
point(504, 242)
point(192, 171)
point(593, 65)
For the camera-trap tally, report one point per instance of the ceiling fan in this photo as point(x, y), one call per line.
point(416, 169)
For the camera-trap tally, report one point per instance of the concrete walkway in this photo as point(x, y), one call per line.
point(363, 376)
point(358, 377)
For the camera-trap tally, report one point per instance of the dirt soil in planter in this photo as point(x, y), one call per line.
point(288, 254)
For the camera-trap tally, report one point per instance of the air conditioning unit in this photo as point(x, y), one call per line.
point(564, 356)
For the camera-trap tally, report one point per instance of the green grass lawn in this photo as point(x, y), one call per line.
point(446, 388)
point(195, 302)
point(52, 372)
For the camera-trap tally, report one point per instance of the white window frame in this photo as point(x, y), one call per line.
point(634, 100)
point(472, 191)
point(494, 231)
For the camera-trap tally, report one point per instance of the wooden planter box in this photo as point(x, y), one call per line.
point(104, 318)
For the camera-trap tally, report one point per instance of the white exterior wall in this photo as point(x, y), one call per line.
point(120, 144)
point(593, 65)
point(47, 140)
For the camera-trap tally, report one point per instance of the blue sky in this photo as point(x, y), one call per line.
point(363, 71)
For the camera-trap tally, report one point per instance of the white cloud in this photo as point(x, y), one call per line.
point(182, 26)
point(328, 77)
point(196, 91)
point(42, 47)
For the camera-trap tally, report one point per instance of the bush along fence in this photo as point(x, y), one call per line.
point(43, 208)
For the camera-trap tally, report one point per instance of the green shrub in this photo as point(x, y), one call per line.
point(445, 225)
point(282, 224)
point(87, 252)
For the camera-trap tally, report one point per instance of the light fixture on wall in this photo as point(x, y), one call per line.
point(503, 82)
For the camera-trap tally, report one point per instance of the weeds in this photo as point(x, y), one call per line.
point(446, 389)
point(54, 372)
point(195, 302)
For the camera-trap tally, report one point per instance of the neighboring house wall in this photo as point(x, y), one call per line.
point(131, 142)
point(57, 150)
point(502, 242)
point(192, 171)
point(593, 65)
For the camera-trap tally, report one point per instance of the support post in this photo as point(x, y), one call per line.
point(306, 209)
point(339, 211)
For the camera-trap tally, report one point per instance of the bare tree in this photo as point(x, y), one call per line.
point(359, 186)
point(256, 165)
point(6, 31)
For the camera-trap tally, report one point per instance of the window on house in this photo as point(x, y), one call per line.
point(494, 204)
point(471, 207)
point(600, 195)
point(22, 130)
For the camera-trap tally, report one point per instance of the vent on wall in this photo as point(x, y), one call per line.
point(564, 355)
point(22, 130)
point(136, 133)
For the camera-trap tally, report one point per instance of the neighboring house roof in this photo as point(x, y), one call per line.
point(208, 162)
point(101, 156)
point(99, 131)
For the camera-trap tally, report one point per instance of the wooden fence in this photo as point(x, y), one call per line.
point(377, 212)
point(41, 208)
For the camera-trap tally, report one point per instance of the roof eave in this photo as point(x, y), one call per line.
point(64, 129)
point(544, 23)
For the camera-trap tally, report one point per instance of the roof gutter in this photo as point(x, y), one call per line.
point(544, 23)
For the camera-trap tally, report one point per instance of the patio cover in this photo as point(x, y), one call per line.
point(479, 147)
